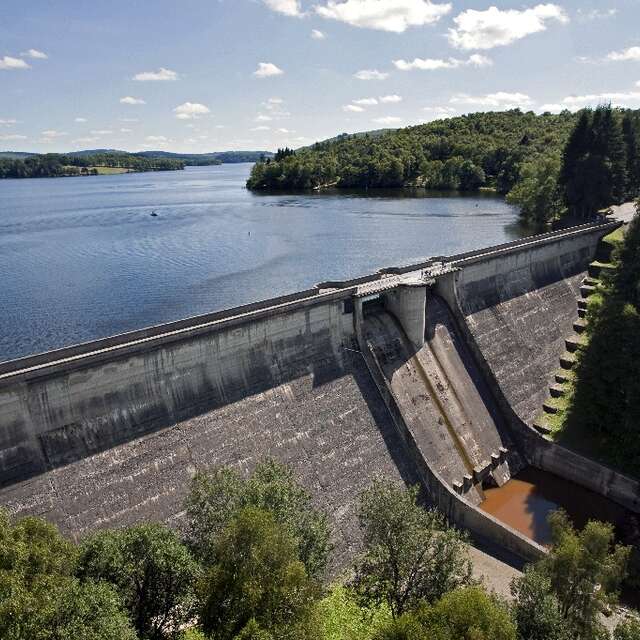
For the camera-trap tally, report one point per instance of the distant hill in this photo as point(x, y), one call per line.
point(225, 157)
point(191, 159)
point(16, 155)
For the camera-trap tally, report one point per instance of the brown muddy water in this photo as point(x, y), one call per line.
point(527, 499)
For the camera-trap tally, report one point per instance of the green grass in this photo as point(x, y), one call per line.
point(615, 238)
point(109, 171)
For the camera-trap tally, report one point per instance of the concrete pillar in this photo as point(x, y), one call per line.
point(408, 305)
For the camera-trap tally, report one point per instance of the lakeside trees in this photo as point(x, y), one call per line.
point(250, 582)
point(466, 153)
point(53, 165)
point(549, 165)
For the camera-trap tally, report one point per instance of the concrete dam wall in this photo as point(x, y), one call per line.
point(395, 374)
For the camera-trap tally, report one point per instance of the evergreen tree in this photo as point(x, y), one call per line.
point(574, 153)
point(632, 141)
point(610, 145)
point(594, 166)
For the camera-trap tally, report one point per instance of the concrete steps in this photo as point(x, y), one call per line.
point(573, 343)
point(556, 391)
point(580, 326)
point(541, 427)
point(567, 360)
point(597, 269)
point(563, 377)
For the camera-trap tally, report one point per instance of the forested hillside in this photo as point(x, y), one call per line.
point(521, 155)
point(467, 152)
point(53, 165)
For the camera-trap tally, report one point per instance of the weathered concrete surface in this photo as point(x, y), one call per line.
point(519, 309)
point(109, 432)
point(329, 425)
point(443, 399)
point(417, 437)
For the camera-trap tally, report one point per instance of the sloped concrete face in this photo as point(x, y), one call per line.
point(328, 424)
point(519, 309)
point(443, 400)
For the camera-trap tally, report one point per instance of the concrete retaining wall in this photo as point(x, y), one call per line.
point(117, 441)
point(515, 309)
point(67, 409)
point(520, 306)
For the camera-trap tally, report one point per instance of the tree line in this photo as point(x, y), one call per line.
point(250, 564)
point(52, 165)
point(550, 165)
point(466, 152)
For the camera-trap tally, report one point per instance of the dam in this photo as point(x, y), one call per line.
point(431, 373)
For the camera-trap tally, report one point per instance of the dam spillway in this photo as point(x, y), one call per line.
point(429, 373)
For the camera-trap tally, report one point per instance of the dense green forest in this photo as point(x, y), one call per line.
point(522, 155)
point(52, 165)
point(250, 564)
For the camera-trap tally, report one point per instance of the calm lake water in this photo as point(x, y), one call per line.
point(82, 258)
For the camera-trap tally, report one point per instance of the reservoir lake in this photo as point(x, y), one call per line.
point(83, 258)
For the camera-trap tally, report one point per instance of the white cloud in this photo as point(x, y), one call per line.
point(396, 16)
point(370, 74)
point(500, 99)
point(366, 102)
point(388, 120)
point(272, 102)
point(7, 122)
point(352, 108)
point(157, 139)
point(551, 108)
point(52, 133)
point(8, 63)
point(632, 53)
point(629, 99)
point(84, 140)
point(434, 64)
point(124, 130)
point(391, 99)
point(161, 75)
point(261, 117)
point(596, 14)
point(190, 111)
point(288, 7)
point(12, 136)
point(494, 27)
point(129, 119)
point(131, 100)
point(261, 127)
point(267, 70)
point(316, 34)
point(80, 120)
point(442, 111)
point(101, 132)
point(35, 54)
point(283, 130)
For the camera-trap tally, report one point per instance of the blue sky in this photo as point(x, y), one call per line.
point(206, 75)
